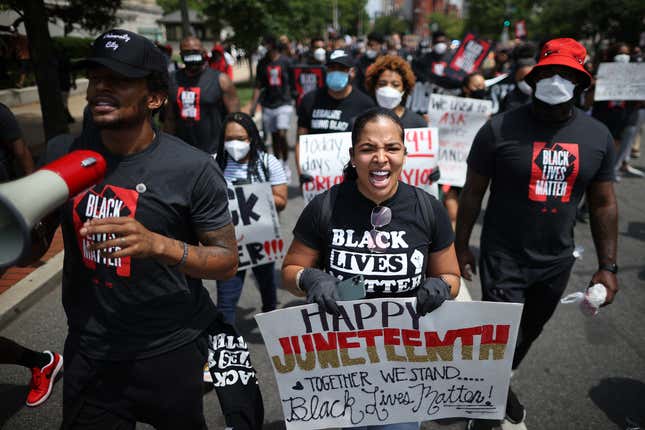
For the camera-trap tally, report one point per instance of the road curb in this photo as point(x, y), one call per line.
point(29, 290)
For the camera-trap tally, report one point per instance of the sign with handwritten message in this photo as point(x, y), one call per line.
point(620, 81)
point(257, 228)
point(458, 119)
point(380, 363)
point(324, 156)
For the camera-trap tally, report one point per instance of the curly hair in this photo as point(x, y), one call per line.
point(395, 64)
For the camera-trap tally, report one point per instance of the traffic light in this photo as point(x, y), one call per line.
point(507, 23)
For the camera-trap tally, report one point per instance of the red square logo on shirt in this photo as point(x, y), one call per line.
point(188, 102)
point(554, 169)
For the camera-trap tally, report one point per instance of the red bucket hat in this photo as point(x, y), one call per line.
point(563, 52)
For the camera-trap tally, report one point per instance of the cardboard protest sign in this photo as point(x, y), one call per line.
point(420, 96)
point(458, 120)
point(323, 156)
point(380, 363)
point(620, 81)
point(257, 228)
point(307, 78)
point(468, 57)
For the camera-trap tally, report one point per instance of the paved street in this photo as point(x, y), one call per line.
point(583, 373)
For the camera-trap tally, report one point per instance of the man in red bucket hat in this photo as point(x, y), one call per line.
point(539, 160)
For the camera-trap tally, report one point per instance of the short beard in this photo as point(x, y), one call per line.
point(141, 115)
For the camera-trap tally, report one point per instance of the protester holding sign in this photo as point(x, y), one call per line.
point(244, 160)
point(539, 160)
point(333, 108)
point(389, 80)
point(397, 237)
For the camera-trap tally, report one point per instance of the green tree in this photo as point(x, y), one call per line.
point(94, 15)
point(450, 24)
point(391, 24)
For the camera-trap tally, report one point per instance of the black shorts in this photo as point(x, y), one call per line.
point(165, 391)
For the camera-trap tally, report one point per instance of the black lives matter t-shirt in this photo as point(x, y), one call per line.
point(126, 308)
point(273, 78)
point(320, 113)
point(199, 108)
point(539, 172)
point(344, 247)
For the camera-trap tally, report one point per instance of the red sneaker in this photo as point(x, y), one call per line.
point(42, 380)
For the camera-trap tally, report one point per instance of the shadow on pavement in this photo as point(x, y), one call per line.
point(621, 399)
point(12, 399)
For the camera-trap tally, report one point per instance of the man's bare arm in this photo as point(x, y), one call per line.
point(470, 203)
point(603, 217)
point(301, 131)
point(229, 93)
point(217, 259)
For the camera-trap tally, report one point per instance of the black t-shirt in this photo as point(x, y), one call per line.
point(344, 252)
point(127, 308)
point(539, 172)
point(320, 113)
point(273, 78)
point(616, 115)
point(9, 133)
point(199, 108)
point(412, 120)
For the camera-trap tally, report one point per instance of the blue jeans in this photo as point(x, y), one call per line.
point(229, 291)
point(398, 426)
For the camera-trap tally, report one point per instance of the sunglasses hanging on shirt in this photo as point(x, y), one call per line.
point(380, 217)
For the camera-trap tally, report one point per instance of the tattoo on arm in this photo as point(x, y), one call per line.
point(217, 259)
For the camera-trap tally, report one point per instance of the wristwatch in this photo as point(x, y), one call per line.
point(612, 267)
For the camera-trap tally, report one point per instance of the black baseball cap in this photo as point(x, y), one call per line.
point(340, 57)
point(127, 53)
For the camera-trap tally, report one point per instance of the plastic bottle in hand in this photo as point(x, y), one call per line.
point(590, 300)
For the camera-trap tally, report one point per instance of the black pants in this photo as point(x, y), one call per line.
point(165, 391)
point(504, 279)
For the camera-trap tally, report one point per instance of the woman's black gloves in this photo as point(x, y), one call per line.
point(431, 295)
point(320, 288)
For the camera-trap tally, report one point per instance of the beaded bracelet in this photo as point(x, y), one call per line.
point(183, 258)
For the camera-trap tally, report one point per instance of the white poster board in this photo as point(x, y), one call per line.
point(620, 81)
point(257, 228)
point(458, 120)
point(379, 363)
point(324, 156)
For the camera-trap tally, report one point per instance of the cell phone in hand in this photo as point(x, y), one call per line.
point(351, 289)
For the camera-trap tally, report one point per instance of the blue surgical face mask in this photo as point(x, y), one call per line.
point(337, 80)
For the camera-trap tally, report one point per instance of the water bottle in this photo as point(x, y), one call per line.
point(589, 300)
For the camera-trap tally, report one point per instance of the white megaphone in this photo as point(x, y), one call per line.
point(24, 202)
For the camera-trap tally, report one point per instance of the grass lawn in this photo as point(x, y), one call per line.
point(244, 92)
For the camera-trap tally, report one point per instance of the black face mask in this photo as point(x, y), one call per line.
point(478, 94)
point(192, 58)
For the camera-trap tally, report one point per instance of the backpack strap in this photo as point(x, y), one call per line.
point(426, 211)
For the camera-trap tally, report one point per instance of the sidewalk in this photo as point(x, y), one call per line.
point(32, 282)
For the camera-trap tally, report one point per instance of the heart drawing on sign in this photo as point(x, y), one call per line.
point(273, 248)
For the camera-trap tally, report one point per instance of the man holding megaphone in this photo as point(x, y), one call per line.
point(136, 307)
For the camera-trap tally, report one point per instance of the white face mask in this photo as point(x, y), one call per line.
point(554, 90)
point(524, 87)
point(621, 58)
point(388, 97)
point(440, 48)
point(319, 55)
point(237, 149)
point(371, 54)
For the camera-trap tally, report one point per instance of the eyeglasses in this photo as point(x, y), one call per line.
point(380, 217)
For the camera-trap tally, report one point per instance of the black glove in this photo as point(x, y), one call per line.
point(320, 288)
point(431, 295)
